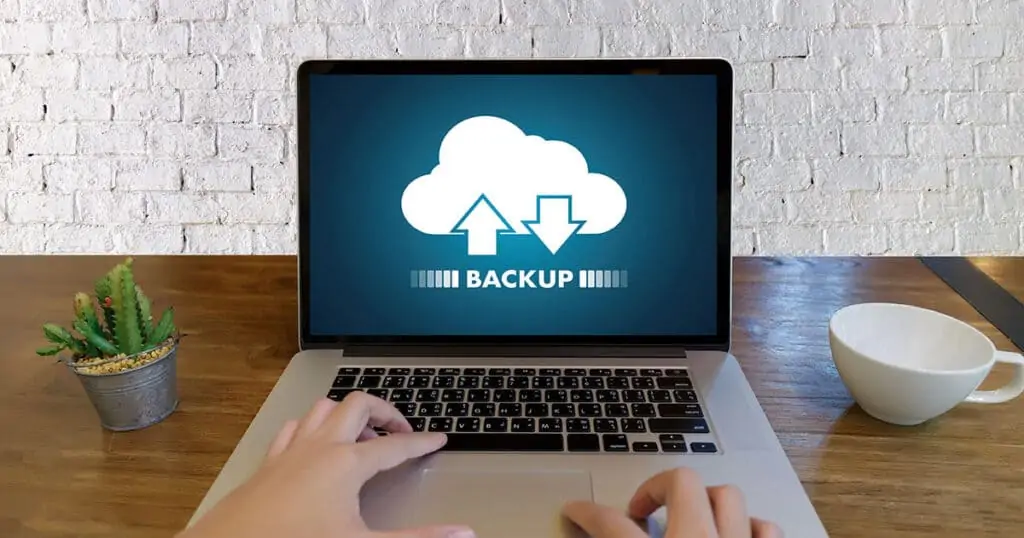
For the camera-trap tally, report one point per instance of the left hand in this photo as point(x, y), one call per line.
point(308, 486)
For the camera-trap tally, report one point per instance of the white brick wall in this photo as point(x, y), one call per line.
point(167, 126)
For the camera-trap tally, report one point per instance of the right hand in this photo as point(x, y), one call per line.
point(693, 511)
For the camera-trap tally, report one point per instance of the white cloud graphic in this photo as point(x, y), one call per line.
point(487, 155)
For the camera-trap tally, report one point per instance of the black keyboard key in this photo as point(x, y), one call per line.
point(605, 425)
point(525, 371)
point(499, 371)
point(424, 371)
point(456, 410)
point(518, 383)
point(369, 382)
point(479, 395)
point(703, 448)
point(642, 410)
point(658, 396)
point(349, 371)
point(401, 395)
point(642, 382)
point(524, 425)
point(618, 382)
point(615, 443)
point(556, 396)
point(550, 425)
point(443, 382)
point(467, 424)
point(538, 410)
point(440, 424)
point(577, 372)
point(484, 410)
point(616, 410)
point(468, 382)
point(543, 383)
point(378, 393)
point(593, 382)
point(418, 382)
point(633, 425)
point(406, 408)
point(375, 371)
point(643, 446)
point(577, 425)
point(494, 382)
point(583, 442)
point(674, 383)
point(677, 372)
point(344, 382)
point(474, 371)
point(495, 424)
point(551, 371)
point(590, 410)
point(625, 372)
point(430, 410)
point(418, 423)
point(684, 396)
point(453, 395)
point(600, 372)
point(651, 372)
point(427, 395)
point(504, 395)
point(399, 371)
point(633, 396)
point(581, 396)
point(339, 394)
point(673, 446)
point(449, 371)
point(680, 410)
point(504, 442)
point(563, 410)
point(678, 425)
point(530, 396)
point(510, 410)
point(394, 382)
point(608, 396)
point(670, 437)
point(568, 382)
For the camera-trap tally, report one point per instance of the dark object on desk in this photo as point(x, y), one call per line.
point(997, 305)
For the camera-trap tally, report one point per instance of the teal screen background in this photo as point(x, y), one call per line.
point(371, 135)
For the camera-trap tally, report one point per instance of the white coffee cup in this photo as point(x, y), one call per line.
point(905, 364)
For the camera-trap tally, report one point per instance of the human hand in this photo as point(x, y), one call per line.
point(693, 511)
point(308, 486)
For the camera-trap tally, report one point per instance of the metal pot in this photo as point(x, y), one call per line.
point(136, 398)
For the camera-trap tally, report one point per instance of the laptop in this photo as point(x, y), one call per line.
point(534, 257)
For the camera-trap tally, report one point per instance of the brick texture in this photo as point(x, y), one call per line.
point(167, 126)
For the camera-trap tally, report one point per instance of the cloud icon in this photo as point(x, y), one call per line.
point(492, 175)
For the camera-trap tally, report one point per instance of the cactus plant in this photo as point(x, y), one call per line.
point(118, 325)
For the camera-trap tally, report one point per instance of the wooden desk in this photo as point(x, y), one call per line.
point(61, 475)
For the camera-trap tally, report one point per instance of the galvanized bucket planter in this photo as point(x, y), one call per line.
point(135, 398)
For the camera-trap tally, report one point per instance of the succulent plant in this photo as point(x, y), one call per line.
point(118, 323)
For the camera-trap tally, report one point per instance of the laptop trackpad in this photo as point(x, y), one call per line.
point(499, 504)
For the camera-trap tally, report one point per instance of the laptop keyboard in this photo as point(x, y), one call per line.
point(632, 410)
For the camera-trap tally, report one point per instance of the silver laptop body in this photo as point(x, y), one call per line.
point(682, 401)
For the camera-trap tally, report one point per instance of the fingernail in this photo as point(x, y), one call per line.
point(462, 533)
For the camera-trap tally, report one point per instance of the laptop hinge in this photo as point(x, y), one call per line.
point(420, 350)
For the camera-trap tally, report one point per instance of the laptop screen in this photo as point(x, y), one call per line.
point(521, 205)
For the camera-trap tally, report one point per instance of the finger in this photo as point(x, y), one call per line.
point(283, 439)
point(315, 417)
point(764, 529)
point(730, 510)
point(389, 451)
point(439, 531)
point(367, 434)
point(600, 521)
point(681, 491)
point(359, 410)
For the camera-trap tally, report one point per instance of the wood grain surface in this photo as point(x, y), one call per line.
point(61, 475)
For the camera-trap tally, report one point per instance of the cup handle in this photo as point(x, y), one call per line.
point(1008, 392)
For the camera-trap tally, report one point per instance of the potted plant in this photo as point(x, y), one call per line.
point(125, 360)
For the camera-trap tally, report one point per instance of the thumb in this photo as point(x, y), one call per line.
point(436, 531)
